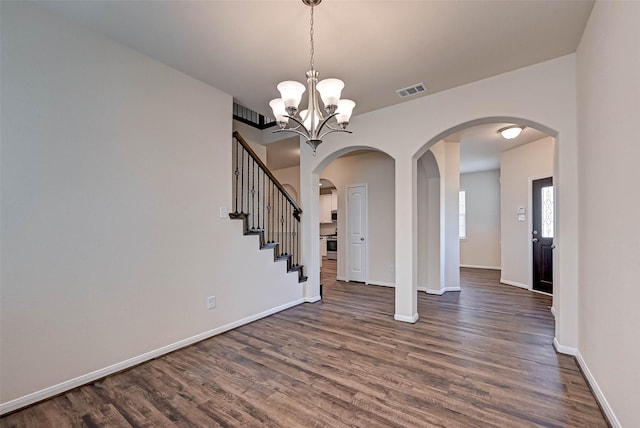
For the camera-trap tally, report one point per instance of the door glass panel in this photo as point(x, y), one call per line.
point(547, 212)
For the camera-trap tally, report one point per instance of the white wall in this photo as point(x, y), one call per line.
point(253, 137)
point(517, 168)
point(377, 170)
point(481, 248)
point(113, 169)
point(290, 176)
point(608, 73)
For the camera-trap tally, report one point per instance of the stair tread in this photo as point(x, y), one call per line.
point(238, 215)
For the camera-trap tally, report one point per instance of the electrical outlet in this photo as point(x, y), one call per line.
point(224, 212)
point(211, 302)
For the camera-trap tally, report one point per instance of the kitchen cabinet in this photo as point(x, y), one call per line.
point(328, 203)
point(323, 246)
point(325, 208)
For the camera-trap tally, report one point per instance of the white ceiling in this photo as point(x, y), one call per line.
point(481, 146)
point(246, 47)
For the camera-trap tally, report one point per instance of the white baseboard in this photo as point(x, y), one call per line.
point(312, 299)
point(613, 420)
point(382, 283)
point(481, 267)
point(48, 392)
point(422, 289)
point(564, 349)
point(441, 291)
point(515, 284)
point(404, 318)
point(611, 417)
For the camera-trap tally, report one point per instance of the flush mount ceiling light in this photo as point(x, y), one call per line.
point(311, 122)
point(511, 132)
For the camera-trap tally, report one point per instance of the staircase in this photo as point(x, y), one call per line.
point(265, 207)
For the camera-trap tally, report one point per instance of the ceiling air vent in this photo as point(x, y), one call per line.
point(411, 90)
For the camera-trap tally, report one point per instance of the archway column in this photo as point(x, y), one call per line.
point(309, 224)
point(446, 261)
point(450, 218)
point(406, 240)
point(565, 256)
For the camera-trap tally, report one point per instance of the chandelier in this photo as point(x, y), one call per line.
point(311, 122)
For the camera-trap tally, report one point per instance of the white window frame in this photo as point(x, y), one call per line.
point(462, 214)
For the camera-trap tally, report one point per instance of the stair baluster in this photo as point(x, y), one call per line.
point(264, 197)
point(271, 213)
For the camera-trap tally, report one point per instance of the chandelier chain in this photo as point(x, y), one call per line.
point(311, 39)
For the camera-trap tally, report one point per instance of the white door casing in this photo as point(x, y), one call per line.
point(357, 233)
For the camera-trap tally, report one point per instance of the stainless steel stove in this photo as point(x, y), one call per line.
point(332, 247)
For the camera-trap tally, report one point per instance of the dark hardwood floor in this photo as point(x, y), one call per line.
point(481, 357)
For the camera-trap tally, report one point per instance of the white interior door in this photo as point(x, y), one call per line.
point(356, 233)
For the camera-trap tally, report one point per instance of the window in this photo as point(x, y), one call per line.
point(462, 211)
point(547, 212)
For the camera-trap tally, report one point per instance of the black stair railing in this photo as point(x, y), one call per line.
point(265, 206)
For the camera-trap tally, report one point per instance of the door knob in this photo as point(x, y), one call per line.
point(362, 239)
point(535, 240)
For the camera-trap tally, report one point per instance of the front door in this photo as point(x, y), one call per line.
point(356, 230)
point(542, 217)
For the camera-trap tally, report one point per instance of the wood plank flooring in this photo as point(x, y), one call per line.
point(481, 357)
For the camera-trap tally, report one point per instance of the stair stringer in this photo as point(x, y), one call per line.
point(261, 266)
point(265, 246)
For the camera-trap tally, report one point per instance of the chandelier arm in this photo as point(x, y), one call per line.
point(335, 129)
point(300, 124)
point(324, 123)
point(306, 136)
point(332, 130)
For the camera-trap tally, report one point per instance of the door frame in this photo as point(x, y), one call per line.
point(366, 231)
point(530, 227)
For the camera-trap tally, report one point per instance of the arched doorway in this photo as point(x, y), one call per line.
point(452, 263)
point(371, 257)
point(344, 168)
point(474, 161)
